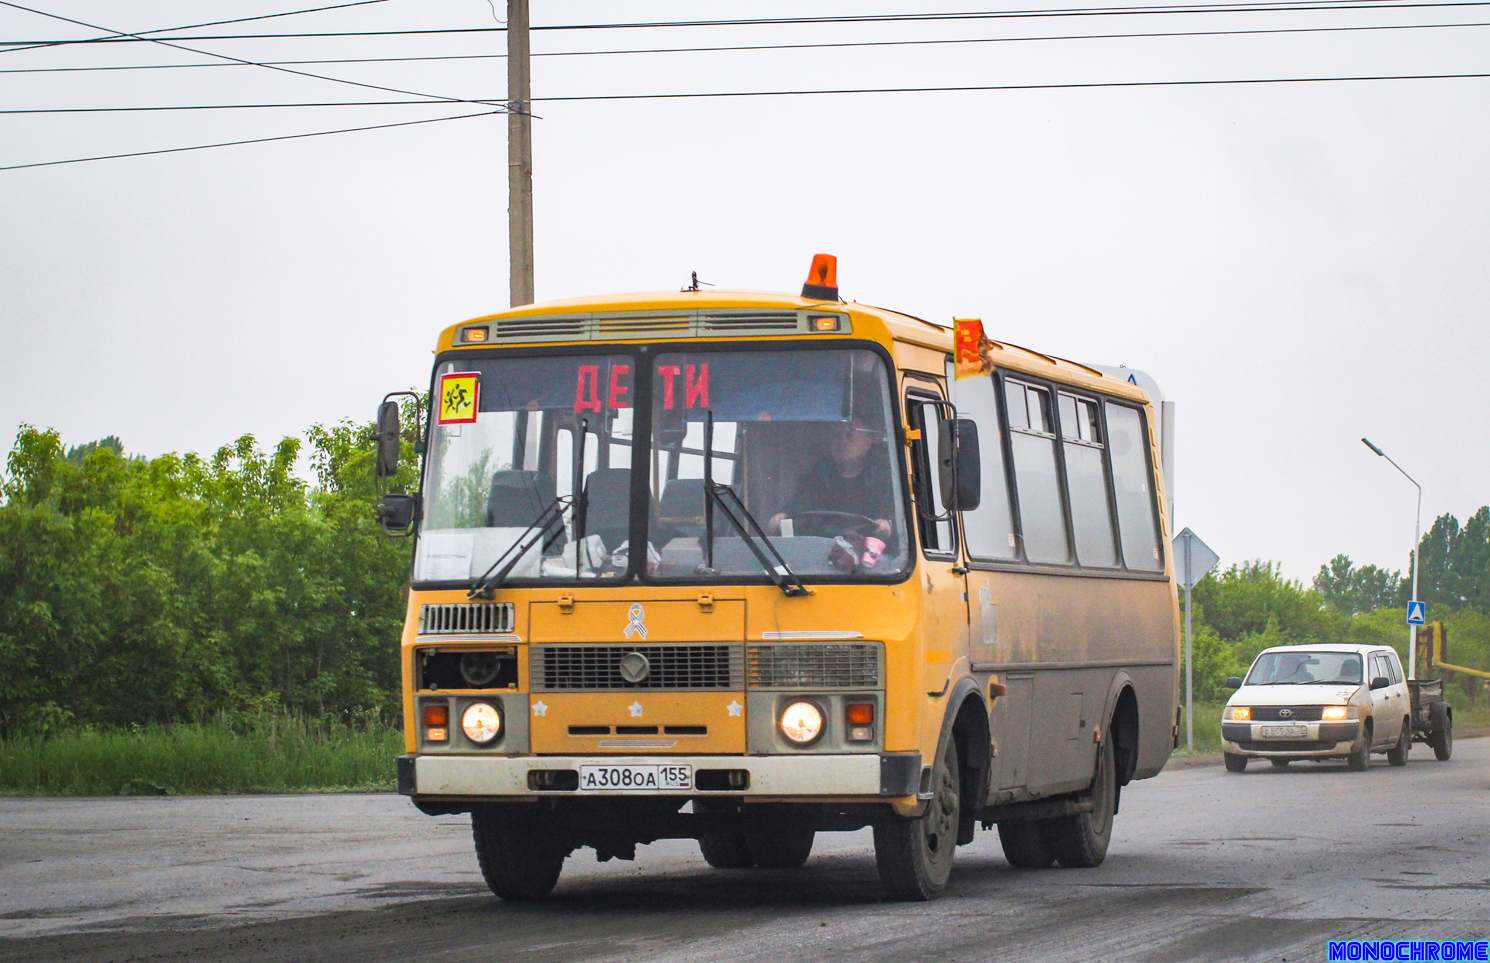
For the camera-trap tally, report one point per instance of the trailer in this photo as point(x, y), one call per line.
point(1432, 718)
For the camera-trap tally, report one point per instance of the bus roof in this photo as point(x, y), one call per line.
point(895, 325)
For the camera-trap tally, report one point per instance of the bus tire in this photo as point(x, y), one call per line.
point(519, 855)
point(1024, 844)
point(726, 850)
point(914, 855)
point(786, 849)
point(1081, 840)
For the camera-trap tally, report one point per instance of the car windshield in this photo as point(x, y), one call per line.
point(505, 441)
point(801, 440)
point(1305, 667)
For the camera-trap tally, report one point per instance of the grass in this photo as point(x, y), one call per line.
point(260, 754)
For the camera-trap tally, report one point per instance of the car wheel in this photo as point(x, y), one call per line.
point(1235, 762)
point(1397, 755)
point(1024, 845)
point(1442, 741)
point(1280, 763)
point(1081, 840)
point(1360, 759)
point(914, 855)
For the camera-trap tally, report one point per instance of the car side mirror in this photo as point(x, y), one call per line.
point(1380, 682)
point(396, 513)
point(386, 462)
point(1232, 682)
point(957, 442)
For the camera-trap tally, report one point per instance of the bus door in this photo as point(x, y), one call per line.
point(943, 581)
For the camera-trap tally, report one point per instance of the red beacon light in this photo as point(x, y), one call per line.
point(822, 279)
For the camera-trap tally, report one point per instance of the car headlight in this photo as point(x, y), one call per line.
point(481, 722)
point(802, 722)
point(1336, 713)
point(1239, 713)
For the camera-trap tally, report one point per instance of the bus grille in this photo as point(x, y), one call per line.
point(591, 667)
point(626, 325)
point(799, 666)
point(466, 619)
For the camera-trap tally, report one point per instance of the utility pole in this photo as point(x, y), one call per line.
point(519, 154)
point(1417, 545)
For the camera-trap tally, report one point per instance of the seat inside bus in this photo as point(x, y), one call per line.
point(608, 505)
point(517, 498)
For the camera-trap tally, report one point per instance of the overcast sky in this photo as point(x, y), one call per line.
point(1297, 264)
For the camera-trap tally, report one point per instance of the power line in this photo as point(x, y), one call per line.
point(256, 140)
point(166, 107)
point(790, 46)
point(1293, 6)
point(248, 63)
point(220, 23)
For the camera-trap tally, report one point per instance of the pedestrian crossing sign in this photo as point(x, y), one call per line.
point(1416, 614)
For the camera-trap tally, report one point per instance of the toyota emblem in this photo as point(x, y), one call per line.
point(1285, 713)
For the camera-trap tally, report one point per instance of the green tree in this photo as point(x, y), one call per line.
point(1353, 590)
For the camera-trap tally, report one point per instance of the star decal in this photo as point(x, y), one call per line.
point(539, 709)
point(734, 707)
point(636, 710)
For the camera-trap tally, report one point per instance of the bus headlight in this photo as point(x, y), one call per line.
point(481, 722)
point(802, 722)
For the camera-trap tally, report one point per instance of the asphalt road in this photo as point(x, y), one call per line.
point(1204, 865)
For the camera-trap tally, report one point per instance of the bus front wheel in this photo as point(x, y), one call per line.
point(914, 855)
point(1081, 840)
point(520, 856)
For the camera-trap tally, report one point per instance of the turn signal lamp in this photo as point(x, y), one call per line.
point(822, 279)
point(1240, 713)
point(860, 714)
point(436, 715)
point(474, 335)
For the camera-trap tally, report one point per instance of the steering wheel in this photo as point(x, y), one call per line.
point(833, 523)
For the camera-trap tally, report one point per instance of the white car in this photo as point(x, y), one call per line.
point(1318, 702)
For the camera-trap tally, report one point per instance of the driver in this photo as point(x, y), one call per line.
point(847, 479)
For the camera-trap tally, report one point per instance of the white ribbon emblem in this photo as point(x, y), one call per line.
point(636, 614)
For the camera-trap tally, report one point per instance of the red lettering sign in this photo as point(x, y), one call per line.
point(618, 390)
point(668, 373)
point(698, 391)
point(591, 373)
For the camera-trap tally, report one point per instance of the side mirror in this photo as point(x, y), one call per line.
point(1380, 682)
point(1232, 682)
point(396, 513)
point(386, 463)
point(957, 440)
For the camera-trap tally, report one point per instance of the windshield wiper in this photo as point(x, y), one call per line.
point(486, 586)
point(750, 530)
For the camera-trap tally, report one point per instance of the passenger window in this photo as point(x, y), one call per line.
point(1138, 522)
point(1086, 483)
point(1395, 666)
point(936, 536)
point(1041, 514)
point(989, 529)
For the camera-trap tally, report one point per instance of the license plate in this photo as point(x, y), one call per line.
point(1294, 731)
point(634, 778)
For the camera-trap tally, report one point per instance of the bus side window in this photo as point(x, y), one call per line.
point(1132, 479)
point(1086, 482)
point(989, 529)
point(936, 536)
point(1042, 516)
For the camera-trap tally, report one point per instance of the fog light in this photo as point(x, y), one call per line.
point(802, 722)
point(481, 722)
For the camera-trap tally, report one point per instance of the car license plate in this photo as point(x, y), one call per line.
point(634, 778)
point(1294, 731)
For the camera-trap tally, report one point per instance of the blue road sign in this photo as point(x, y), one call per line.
point(1416, 614)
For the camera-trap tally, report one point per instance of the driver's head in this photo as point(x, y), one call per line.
point(849, 443)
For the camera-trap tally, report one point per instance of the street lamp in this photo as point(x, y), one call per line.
point(1417, 537)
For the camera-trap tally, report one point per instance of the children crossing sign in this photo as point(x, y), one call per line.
point(1416, 614)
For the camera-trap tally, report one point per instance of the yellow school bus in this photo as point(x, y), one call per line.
point(744, 567)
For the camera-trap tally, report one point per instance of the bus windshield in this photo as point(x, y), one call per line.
point(802, 439)
point(1306, 668)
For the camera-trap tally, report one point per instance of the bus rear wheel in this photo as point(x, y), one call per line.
point(914, 855)
point(785, 849)
point(1024, 844)
point(1082, 840)
point(520, 855)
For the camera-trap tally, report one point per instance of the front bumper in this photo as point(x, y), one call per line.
point(1320, 739)
point(878, 775)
